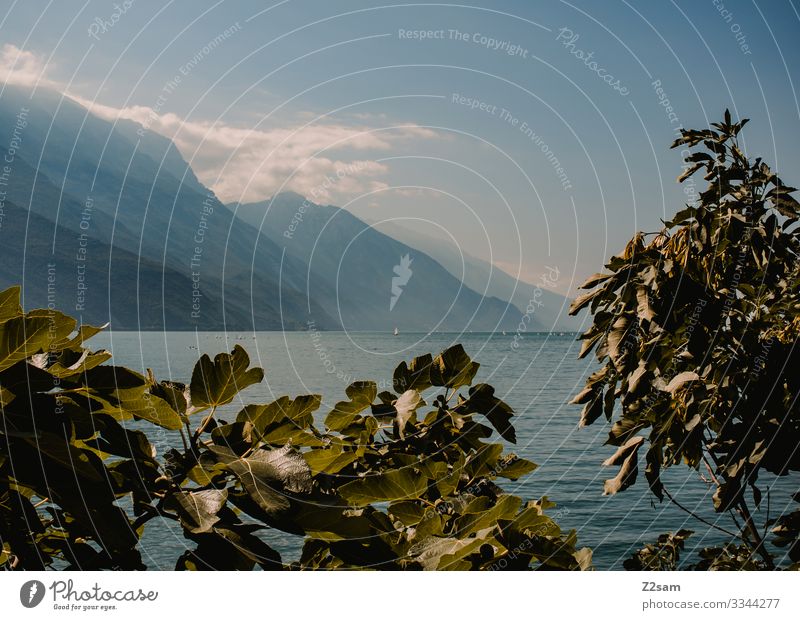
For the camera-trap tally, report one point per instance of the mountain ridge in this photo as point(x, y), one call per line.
point(549, 308)
point(363, 264)
point(149, 224)
point(89, 160)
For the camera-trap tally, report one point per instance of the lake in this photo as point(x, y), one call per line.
point(537, 379)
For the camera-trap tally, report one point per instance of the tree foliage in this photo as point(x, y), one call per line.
point(390, 482)
point(696, 330)
point(664, 554)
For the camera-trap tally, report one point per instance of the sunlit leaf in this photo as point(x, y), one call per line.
point(217, 382)
point(386, 486)
point(453, 368)
point(626, 458)
point(23, 336)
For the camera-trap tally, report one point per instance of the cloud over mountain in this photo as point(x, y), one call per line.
point(22, 67)
point(324, 159)
point(319, 158)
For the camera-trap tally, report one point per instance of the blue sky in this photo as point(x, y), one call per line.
point(289, 95)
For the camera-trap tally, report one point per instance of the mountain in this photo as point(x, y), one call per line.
point(480, 275)
point(373, 281)
point(44, 258)
point(136, 194)
point(157, 249)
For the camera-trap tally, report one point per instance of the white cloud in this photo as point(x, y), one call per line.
point(244, 164)
point(323, 161)
point(417, 192)
point(22, 68)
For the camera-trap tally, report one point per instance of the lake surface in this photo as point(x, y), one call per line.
point(537, 379)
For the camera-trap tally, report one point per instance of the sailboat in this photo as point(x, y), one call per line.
point(396, 331)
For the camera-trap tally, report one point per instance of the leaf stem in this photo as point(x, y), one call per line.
point(698, 517)
point(202, 426)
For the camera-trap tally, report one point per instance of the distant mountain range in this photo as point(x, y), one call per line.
point(548, 309)
point(95, 178)
point(114, 226)
point(371, 281)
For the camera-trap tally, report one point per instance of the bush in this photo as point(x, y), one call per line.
point(696, 328)
point(392, 482)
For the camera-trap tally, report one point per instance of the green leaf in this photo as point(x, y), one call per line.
point(623, 429)
point(588, 343)
point(71, 363)
point(727, 495)
point(689, 171)
point(198, 509)
point(298, 411)
point(229, 547)
point(217, 383)
point(289, 433)
point(652, 471)
point(485, 462)
point(785, 203)
point(123, 393)
point(145, 406)
point(592, 410)
point(388, 486)
point(453, 368)
point(175, 394)
point(241, 538)
point(108, 379)
point(24, 336)
point(6, 396)
point(414, 376)
point(482, 400)
point(9, 303)
point(269, 476)
point(408, 512)
point(120, 441)
point(436, 553)
point(476, 517)
point(237, 436)
point(361, 395)
point(329, 461)
point(84, 333)
point(533, 522)
point(514, 468)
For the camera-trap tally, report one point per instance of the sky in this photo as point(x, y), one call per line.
point(532, 134)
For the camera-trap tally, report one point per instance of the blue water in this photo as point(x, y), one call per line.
point(537, 379)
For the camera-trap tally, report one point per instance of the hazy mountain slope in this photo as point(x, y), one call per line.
point(352, 266)
point(115, 185)
point(481, 276)
point(160, 209)
point(26, 188)
point(43, 258)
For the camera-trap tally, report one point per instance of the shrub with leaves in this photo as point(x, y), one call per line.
point(392, 482)
point(663, 555)
point(696, 328)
